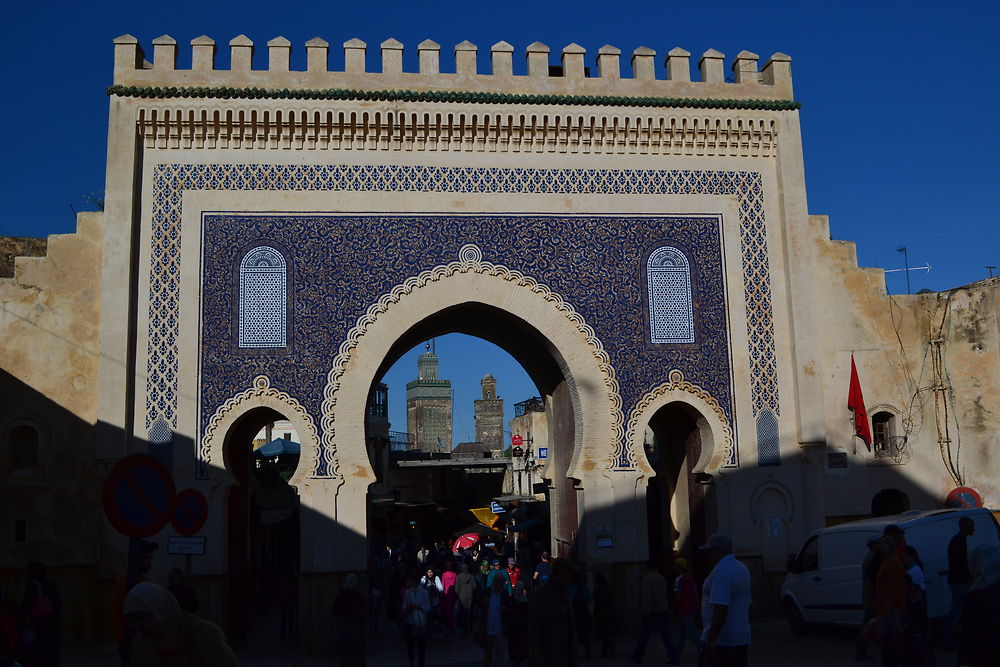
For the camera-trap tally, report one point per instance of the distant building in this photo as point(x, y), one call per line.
point(428, 406)
point(531, 423)
point(489, 416)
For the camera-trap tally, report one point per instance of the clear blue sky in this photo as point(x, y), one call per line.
point(899, 100)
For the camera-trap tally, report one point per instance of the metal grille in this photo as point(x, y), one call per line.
point(263, 299)
point(671, 311)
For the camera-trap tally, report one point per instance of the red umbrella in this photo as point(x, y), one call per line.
point(465, 541)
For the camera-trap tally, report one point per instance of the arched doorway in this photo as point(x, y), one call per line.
point(675, 496)
point(536, 326)
point(262, 532)
point(539, 360)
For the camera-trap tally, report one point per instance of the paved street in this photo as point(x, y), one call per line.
point(773, 644)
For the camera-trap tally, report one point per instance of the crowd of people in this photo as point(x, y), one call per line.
point(894, 592)
point(543, 611)
point(549, 611)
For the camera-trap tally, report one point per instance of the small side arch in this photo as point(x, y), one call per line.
point(717, 446)
point(260, 395)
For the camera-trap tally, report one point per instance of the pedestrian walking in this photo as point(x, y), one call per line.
point(350, 623)
point(123, 634)
point(416, 610)
point(917, 627)
point(517, 624)
point(580, 593)
point(449, 597)
point(496, 572)
point(654, 605)
point(167, 636)
point(725, 606)
point(890, 597)
point(496, 606)
point(980, 616)
point(604, 615)
point(686, 606)
point(959, 577)
point(552, 638)
point(869, 574)
point(431, 583)
point(542, 571)
point(465, 591)
point(41, 611)
point(513, 572)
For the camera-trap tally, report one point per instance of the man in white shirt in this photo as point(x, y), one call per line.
point(725, 606)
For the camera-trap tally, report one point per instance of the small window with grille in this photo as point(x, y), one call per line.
point(263, 298)
point(671, 308)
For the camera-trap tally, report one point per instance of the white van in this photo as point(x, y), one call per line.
point(823, 584)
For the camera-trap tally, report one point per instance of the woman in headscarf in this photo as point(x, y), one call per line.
point(981, 611)
point(448, 597)
point(169, 637)
point(349, 610)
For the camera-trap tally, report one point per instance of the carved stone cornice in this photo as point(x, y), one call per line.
point(459, 130)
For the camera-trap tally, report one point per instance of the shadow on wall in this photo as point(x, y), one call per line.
point(52, 486)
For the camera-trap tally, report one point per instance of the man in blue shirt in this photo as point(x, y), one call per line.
point(725, 606)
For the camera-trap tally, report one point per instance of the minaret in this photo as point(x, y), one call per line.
point(428, 406)
point(489, 416)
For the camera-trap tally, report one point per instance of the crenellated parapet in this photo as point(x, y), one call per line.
point(571, 75)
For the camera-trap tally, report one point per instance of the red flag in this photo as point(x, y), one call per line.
point(856, 404)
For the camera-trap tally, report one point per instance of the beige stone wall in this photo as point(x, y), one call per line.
point(49, 315)
point(891, 339)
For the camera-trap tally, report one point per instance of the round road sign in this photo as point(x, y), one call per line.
point(964, 497)
point(517, 440)
point(139, 496)
point(190, 512)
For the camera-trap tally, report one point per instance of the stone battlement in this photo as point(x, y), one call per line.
point(571, 76)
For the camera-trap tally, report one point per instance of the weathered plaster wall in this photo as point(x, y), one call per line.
point(49, 314)
point(890, 336)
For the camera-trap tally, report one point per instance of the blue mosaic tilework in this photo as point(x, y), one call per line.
point(171, 180)
point(593, 262)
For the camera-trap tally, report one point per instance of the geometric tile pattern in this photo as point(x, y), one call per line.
point(671, 313)
point(170, 181)
point(263, 299)
point(768, 449)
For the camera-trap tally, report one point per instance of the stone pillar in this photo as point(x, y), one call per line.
point(203, 54)
point(678, 64)
point(711, 66)
point(609, 62)
point(642, 63)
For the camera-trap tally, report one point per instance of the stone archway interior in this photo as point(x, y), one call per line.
point(262, 524)
point(674, 499)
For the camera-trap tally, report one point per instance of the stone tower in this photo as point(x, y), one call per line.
point(489, 416)
point(428, 406)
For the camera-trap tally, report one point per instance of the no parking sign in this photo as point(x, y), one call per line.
point(139, 496)
point(190, 512)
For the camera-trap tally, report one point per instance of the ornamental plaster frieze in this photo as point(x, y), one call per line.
point(510, 131)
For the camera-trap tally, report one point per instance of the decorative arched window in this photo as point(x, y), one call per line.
point(263, 299)
point(671, 309)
